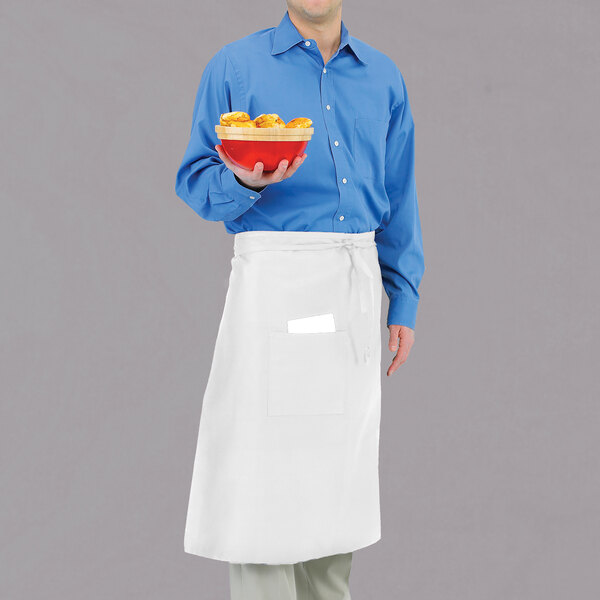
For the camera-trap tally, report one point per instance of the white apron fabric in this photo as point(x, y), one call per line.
point(286, 464)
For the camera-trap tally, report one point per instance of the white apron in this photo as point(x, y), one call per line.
point(286, 464)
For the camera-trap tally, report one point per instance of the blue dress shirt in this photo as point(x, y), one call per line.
point(359, 171)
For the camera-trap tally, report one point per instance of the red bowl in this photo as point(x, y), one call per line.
point(246, 153)
point(246, 146)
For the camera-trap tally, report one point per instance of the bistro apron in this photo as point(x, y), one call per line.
point(286, 464)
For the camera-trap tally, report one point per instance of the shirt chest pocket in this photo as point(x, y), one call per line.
point(368, 146)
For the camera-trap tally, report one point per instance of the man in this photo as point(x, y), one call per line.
point(285, 481)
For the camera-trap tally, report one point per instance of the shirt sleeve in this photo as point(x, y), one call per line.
point(203, 181)
point(399, 241)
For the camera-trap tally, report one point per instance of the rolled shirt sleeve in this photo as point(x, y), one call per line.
point(399, 240)
point(203, 181)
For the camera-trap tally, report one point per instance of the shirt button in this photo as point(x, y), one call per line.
point(324, 70)
point(341, 217)
point(336, 143)
point(344, 180)
point(328, 107)
point(307, 43)
point(252, 197)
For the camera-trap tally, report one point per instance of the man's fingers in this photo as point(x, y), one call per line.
point(395, 363)
point(401, 339)
point(298, 160)
point(399, 359)
point(283, 171)
point(405, 344)
point(279, 172)
point(258, 172)
point(256, 177)
point(268, 178)
point(393, 341)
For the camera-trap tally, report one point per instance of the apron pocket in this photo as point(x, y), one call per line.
point(308, 373)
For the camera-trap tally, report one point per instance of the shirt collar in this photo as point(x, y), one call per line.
point(286, 35)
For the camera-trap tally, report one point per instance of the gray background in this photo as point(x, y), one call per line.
point(112, 290)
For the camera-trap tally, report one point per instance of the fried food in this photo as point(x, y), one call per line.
point(239, 118)
point(299, 122)
point(269, 120)
point(236, 119)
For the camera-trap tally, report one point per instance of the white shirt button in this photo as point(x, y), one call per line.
point(344, 180)
point(307, 43)
point(328, 107)
point(252, 197)
point(324, 70)
point(341, 217)
point(336, 143)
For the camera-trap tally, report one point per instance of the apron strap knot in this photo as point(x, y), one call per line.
point(362, 280)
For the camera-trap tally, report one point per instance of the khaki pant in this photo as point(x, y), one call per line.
point(324, 578)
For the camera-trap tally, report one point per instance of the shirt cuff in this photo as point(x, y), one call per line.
point(402, 311)
point(241, 196)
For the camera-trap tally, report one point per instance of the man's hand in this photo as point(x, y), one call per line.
point(406, 338)
point(256, 178)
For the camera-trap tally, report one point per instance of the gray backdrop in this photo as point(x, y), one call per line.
point(112, 290)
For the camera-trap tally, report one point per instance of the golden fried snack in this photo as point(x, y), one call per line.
point(299, 122)
point(236, 119)
point(269, 120)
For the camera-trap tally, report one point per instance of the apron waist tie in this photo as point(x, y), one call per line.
point(361, 268)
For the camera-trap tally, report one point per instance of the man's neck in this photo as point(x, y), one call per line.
point(327, 33)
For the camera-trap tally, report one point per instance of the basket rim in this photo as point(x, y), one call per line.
point(284, 131)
